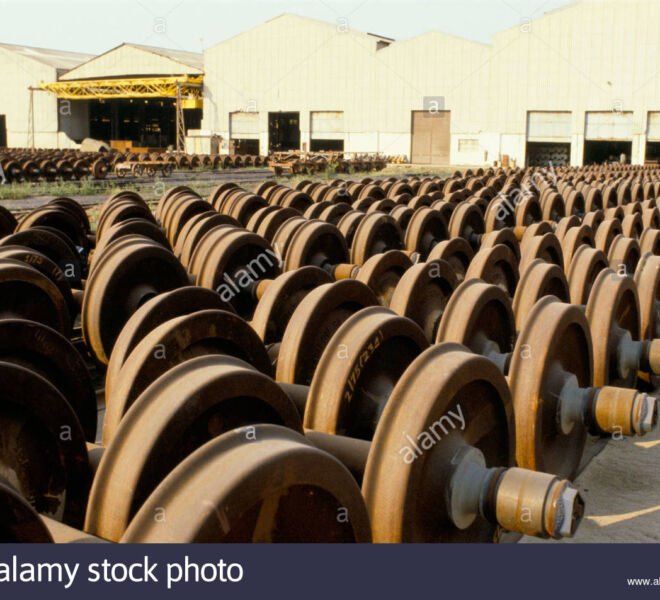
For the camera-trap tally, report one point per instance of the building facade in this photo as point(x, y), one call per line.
point(579, 85)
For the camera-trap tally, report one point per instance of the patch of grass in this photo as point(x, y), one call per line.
point(85, 187)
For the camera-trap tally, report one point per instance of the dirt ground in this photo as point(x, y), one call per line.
point(621, 489)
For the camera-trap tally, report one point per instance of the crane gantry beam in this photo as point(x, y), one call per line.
point(144, 87)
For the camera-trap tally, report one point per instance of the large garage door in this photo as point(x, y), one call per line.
point(653, 139)
point(431, 137)
point(608, 137)
point(327, 131)
point(609, 126)
point(549, 127)
point(244, 126)
point(327, 125)
point(548, 138)
point(654, 127)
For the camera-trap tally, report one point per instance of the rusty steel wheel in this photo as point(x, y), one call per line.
point(539, 279)
point(275, 487)
point(314, 211)
point(364, 204)
point(181, 214)
point(47, 353)
point(271, 222)
point(615, 214)
point(402, 215)
point(124, 278)
point(281, 298)
point(196, 255)
point(507, 237)
point(613, 311)
point(348, 224)
point(420, 201)
point(376, 234)
point(242, 207)
point(348, 393)
point(457, 252)
point(194, 231)
point(334, 213)
point(496, 265)
point(216, 195)
point(607, 231)
point(26, 293)
point(125, 195)
point(546, 247)
point(650, 219)
point(318, 244)
point(647, 279)
point(479, 316)
point(58, 218)
point(593, 200)
point(565, 225)
point(42, 446)
point(407, 499)
point(528, 211)
point(554, 346)
point(131, 227)
point(283, 236)
point(176, 203)
point(553, 207)
point(624, 255)
point(576, 204)
point(587, 263)
point(175, 341)
point(593, 220)
point(153, 313)
point(235, 265)
point(179, 412)
point(73, 208)
point(19, 522)
point(632, 226)
point(312, 325)
point(427, 228)
point(259, 216)
point(649, 242)
point(47, 267)
point(423, 293)
point(526, 234)
point(52, 246)
point(122, 210)
point(384, 206)
point(8, 222)
point(467, 222)
point(573, 239)
point(499, 214)
point(172, 193)
point(383, 272)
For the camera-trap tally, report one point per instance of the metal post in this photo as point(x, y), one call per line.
point(31, 120)
point(180, 121)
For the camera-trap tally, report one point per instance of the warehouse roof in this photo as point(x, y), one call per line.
point(190, 59)
point(317, 22)
point(128, 60)
point(58, 59)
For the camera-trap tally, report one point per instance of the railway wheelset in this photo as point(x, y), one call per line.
point(395, 360)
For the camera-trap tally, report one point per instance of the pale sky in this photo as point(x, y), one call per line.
point(95, 26)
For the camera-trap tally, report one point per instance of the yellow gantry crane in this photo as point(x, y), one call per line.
point(185, 89)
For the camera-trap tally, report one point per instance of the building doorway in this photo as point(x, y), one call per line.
point(3, 131)
point(284, 131)
point(431, 137)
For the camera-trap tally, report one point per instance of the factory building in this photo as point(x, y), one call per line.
point(579, 85)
